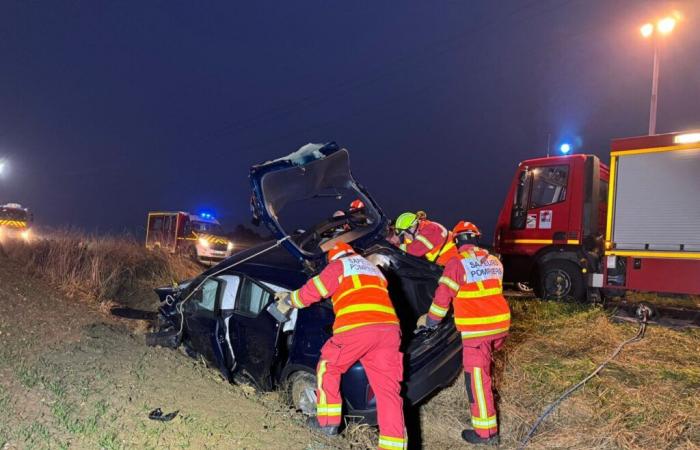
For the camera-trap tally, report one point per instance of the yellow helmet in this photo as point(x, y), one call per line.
point(405, 221)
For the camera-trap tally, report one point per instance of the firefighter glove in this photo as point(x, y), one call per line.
point(283, 302)
point(425, 321)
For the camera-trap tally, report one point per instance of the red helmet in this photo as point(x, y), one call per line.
point(464, 227)
point(339, 250)
point(357, 204)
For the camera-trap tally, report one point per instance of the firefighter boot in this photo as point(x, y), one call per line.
point(312, 422)
point(473, 438)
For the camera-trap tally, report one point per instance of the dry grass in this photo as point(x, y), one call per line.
point(117, 269)
point(646, 398)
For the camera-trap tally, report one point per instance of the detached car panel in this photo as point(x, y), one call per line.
point(298, 198)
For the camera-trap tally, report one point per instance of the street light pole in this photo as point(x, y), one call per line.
point(655, 31)
point(654, 89)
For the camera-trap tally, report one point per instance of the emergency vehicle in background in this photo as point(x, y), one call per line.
point(200, 237)
point(15, 221)
point(577, 229)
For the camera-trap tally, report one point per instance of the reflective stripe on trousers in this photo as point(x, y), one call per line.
point(477, 361)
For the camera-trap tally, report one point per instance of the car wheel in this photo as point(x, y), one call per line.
point(302, 392)
point(524, 287)
point(560, 280)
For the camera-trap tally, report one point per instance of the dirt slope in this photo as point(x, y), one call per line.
point(70, 376)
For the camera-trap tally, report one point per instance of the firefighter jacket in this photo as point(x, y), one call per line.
point(357, 289)
point(431, 241)
point(474, 284)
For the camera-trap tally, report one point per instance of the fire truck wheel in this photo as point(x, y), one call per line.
point(561, 280)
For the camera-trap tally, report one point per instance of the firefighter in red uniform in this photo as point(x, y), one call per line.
point(421, 237)
point(473, 282)
point(366, 329)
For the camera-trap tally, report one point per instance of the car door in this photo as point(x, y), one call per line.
point(256, 332)
point(201, 321)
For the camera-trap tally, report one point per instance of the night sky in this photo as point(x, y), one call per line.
point(110, 109)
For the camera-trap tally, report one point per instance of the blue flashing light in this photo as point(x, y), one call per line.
point(565, 148)
point(206, 215)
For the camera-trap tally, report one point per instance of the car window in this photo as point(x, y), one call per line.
point(549, 185)
point(230, 290)
point(253, 298)
point(205, 298)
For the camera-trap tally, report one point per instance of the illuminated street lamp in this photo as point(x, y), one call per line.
point(663, 27)
point(3, 165)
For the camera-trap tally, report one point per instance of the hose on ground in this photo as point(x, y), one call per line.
point(644, 313)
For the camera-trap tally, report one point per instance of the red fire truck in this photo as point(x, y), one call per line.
point(574, 228)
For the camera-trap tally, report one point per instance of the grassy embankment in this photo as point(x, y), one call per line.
point(646, 398)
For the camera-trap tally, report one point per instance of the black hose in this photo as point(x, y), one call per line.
point(637, 337)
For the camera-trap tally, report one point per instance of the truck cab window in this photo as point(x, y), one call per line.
point(156, 224)
point(253, 298)
point(549, 185)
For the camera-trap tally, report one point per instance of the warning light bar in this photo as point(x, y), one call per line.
point(688, 138)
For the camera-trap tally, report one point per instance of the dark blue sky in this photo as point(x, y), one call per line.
point(109, 109)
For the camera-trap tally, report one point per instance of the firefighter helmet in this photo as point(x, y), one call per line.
point(466, 233)
point(339, 250)
point(466, 227)
point(357, 204)
point(405, 221)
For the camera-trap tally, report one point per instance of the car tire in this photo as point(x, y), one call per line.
point(524, 287)
point(301, 392)
point(560, 280)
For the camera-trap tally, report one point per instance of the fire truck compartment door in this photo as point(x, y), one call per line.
point(657, 201)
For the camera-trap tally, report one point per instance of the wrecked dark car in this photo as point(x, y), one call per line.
point(222, 313)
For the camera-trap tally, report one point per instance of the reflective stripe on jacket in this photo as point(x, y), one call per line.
point(428, 241)
point(448, 251)
point(473, 283)
point(357, 289)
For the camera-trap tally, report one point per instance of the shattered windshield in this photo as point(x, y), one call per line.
point(312, 203)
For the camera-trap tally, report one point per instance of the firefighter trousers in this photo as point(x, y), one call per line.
point(377, 349)
point(477, 361)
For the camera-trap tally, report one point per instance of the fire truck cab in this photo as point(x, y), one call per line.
point(15, 221)
point(200, 237)
point(550, 229)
